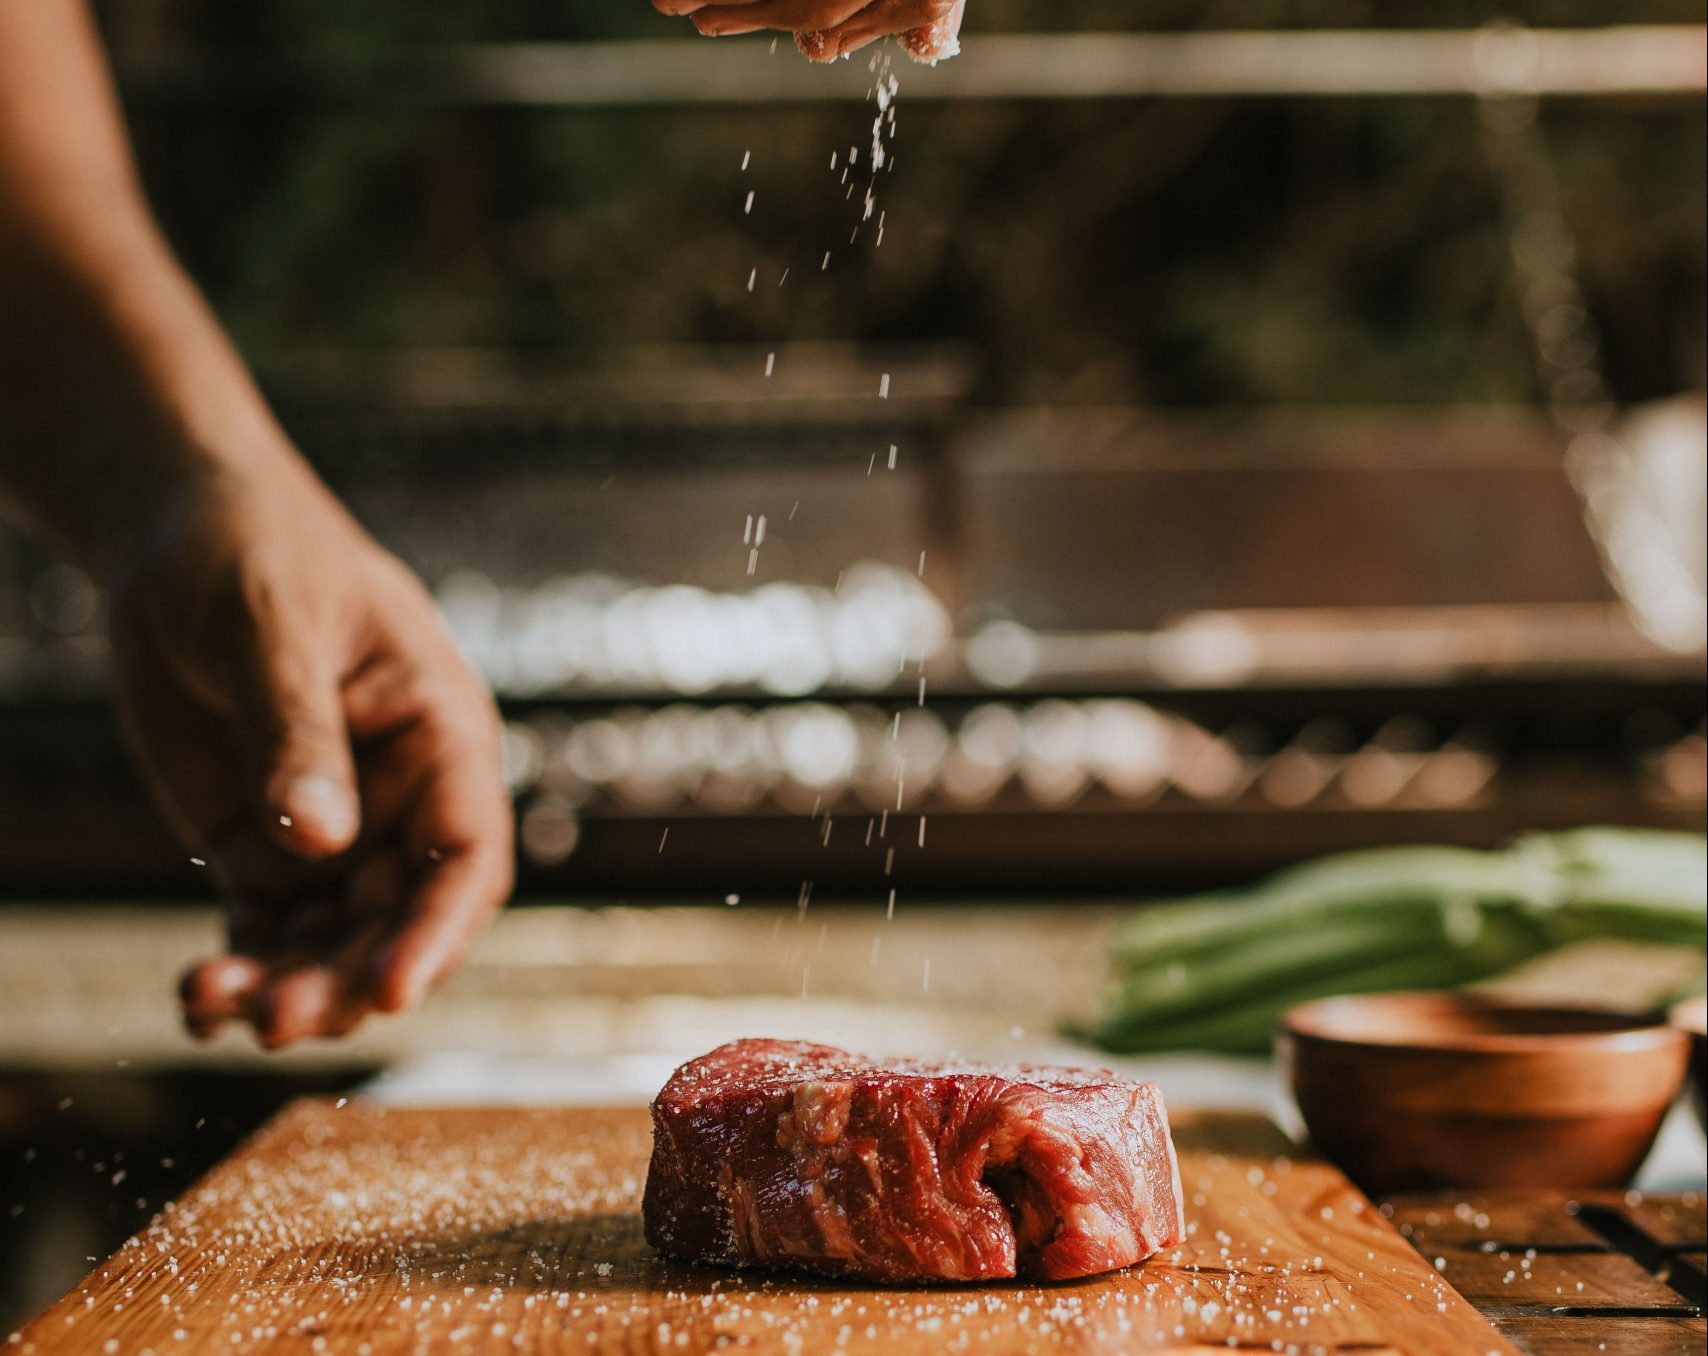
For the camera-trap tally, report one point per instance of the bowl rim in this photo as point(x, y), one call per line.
point(1691, 1015)
point(1624, 1033)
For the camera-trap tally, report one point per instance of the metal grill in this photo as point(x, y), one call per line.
point(1065, 792)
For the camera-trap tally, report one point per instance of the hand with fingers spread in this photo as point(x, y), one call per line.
point(299, 712)
point(928, 30)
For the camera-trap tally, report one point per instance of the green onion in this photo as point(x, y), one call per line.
point(1214, 971)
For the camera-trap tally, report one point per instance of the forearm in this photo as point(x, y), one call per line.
point(117, 386)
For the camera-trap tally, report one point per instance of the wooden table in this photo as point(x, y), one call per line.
point(357, 1229)
point(1578, 1274)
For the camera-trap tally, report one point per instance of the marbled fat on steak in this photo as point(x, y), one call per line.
point(775, 1153)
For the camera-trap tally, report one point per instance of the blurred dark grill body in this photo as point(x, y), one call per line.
point(1425, 647)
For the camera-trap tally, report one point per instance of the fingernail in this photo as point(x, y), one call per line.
point(319, 805)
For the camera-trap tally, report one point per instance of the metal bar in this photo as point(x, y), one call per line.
point(1587, 62)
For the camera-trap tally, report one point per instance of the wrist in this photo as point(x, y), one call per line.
point(206, 497)
point(153, 487)
point(128, 401)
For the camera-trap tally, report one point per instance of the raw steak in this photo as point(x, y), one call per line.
point(775, 1153)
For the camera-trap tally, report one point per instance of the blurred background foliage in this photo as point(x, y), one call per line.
point(1184, 251)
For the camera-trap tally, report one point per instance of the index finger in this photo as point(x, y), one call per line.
point(448, 909)
point(748, 16)
point(458, 836)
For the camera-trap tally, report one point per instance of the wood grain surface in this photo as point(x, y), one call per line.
point(356, 1229)
point(1570, 1273)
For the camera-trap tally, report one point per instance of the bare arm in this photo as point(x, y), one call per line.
point(301, 717)
point(115, 379)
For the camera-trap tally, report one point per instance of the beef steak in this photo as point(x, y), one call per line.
point(776, 1153)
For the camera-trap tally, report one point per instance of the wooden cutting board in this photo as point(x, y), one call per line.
point(356, 1229)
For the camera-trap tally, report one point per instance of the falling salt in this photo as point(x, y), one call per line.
point(752, 279)
point(890, 909)
point(922, 831)
point(747, 207)
point(884, 387)
point(770, 363)
point(892, 456)
point(732, 900)
point(746, 160)
point(663, 838)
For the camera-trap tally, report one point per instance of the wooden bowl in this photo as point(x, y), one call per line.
point(1692, 1016)
point(1415, 1090)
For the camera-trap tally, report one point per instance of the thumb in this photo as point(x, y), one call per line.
point(290, 715)
point(938, 40)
